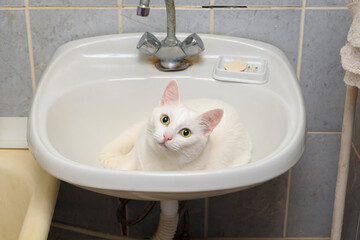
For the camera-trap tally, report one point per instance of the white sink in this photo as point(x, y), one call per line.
point(96, 87)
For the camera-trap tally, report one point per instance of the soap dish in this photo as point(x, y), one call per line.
point(255, 71)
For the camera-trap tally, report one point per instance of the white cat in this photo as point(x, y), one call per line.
point(198, 134)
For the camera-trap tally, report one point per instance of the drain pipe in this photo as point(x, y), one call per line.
point(169, 218)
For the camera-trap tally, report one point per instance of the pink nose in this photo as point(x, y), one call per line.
point(166, 138)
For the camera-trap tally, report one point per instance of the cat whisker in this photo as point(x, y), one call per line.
point(180, 148)
point(149, 131)
point(176, 147)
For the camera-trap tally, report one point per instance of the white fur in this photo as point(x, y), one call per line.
point(140, 147)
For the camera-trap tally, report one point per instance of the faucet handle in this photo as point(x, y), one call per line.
point(192, 45)
point(148, 44)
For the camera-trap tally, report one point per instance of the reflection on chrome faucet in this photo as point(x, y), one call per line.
point(170, 51)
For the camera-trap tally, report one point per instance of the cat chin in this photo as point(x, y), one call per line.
point(165, 148)
point(169, 153)
point(158, 146)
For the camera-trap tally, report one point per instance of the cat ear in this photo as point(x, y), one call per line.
point(171, 93)
point(210, 120)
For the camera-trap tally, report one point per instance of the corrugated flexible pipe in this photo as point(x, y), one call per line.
point(169, 218)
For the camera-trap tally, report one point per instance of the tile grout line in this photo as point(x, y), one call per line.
point(12, 8)
point(179, 6)
point(14, 149)
point(85, 231)
point(244, 7)
point(241, 238)
point(71, 7)
point(307, 238)
point(287, 203)
point(323, 132)
point(265, 238)
point(301, 40)
point(119, 16)
point(326, 8)
point(212, 18)
point(31, 54)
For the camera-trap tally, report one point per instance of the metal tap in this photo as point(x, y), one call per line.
point(170, 51)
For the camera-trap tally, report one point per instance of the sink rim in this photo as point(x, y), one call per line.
point(105, 178)
point(201, 176)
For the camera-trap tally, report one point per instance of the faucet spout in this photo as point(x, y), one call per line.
point(143, 9)
point(171, 22)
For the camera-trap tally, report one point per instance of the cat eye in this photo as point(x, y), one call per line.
point(185, 132)
point(165, 120)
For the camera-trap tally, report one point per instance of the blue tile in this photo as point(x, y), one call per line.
point(190, 20)
point(15, 78)
point(52, 28)
point(321, 71)
point(277, 27)
point(312, 187)
point(12, 3)
point(256, 212)
point(259, 2)
point(161, 2)
point(73, 2)
point(325, 3)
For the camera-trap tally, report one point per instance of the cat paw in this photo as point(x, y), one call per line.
point(108, 160)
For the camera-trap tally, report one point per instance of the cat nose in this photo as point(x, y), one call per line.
point(166, 138)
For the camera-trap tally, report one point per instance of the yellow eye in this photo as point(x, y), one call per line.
point(185, 132)
point(165, 120)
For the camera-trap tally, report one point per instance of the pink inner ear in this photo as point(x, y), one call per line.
point(211, 119)
point(171, 93)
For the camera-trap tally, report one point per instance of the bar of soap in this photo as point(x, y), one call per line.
point(235, 66)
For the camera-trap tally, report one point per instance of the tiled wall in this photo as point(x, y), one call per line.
point(297, 205)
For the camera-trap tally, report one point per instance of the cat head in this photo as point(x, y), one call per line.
point(176, 131)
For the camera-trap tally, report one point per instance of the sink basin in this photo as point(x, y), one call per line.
point(96, 87)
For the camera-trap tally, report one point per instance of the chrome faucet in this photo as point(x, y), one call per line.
point(170, 51)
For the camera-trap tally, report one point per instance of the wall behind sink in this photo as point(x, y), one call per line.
point(296, 205)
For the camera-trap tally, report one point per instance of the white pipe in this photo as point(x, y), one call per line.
point(169, 218)
point(344, 157)
point(169, 207)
